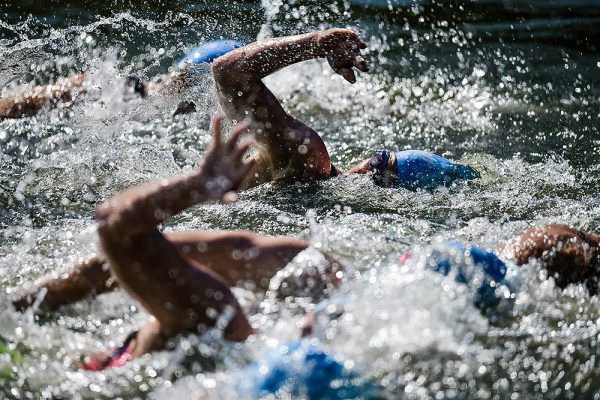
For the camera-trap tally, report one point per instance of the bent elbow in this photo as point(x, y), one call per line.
point(106, 218)
point(221, 69)
point(228, 70)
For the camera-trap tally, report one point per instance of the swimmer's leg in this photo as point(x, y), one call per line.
point(30, 102)
point(90, 278)
point(183, 296)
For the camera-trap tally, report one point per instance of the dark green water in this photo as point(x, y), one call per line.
point(514, 91)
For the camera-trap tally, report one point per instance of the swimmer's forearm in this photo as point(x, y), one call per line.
point(260, 59)
point(90, 278)
point(32, 101)
point(141, 208)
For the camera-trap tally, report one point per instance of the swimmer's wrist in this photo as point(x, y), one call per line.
point(322, 43)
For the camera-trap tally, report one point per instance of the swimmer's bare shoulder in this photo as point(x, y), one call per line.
point(568, 254)
point(288, 149)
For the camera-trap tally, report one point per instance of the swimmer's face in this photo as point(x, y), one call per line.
point(383, 175)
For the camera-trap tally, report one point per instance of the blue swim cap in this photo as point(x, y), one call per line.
point(493, 268)
point(420, 169)
point(301, 369)
point(207, 52)
point(416, 169)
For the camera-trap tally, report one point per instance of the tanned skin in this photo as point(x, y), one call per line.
point(178, 276)
point(569, 255)
point(287, 148)
point(28, 102)
point(240, 258)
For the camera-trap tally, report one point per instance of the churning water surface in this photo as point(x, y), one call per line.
point(516, 94)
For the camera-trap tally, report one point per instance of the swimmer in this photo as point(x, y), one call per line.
point(287, 149)
point(183, 279)
point(570, 256)
point(29, 101)
point(290, 150)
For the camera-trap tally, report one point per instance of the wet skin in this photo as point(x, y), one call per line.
point(287, 149)
point(182, 279)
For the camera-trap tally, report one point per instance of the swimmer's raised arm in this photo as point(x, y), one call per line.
point(144, 207)
point(180, 294)
point(341, 47)
point(288, 149)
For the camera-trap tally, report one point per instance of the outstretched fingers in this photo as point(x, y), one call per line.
point(247, 167)
point(236, 133)
point(239, 151)
point(360, 63)
point(217, 121)
point(349, 57)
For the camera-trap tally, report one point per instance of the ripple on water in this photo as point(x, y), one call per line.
point(513, 110)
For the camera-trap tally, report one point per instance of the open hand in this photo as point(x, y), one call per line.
point(222, 163)
point(342, 48)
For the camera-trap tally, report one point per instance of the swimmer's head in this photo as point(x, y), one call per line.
point(382, 166)
point(206, 52)
point(135, 86)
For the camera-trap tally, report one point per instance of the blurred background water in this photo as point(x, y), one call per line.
point(511, 87)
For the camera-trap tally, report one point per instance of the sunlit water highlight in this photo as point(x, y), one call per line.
point(525, 114)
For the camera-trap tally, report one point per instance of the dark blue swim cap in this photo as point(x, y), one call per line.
point(420, 169)
point(207, 52)
point(379, 160)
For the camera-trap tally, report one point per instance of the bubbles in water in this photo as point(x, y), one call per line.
point(444, 78)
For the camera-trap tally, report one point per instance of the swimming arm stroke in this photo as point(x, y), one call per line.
point(180, 294)
point(243, 96)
